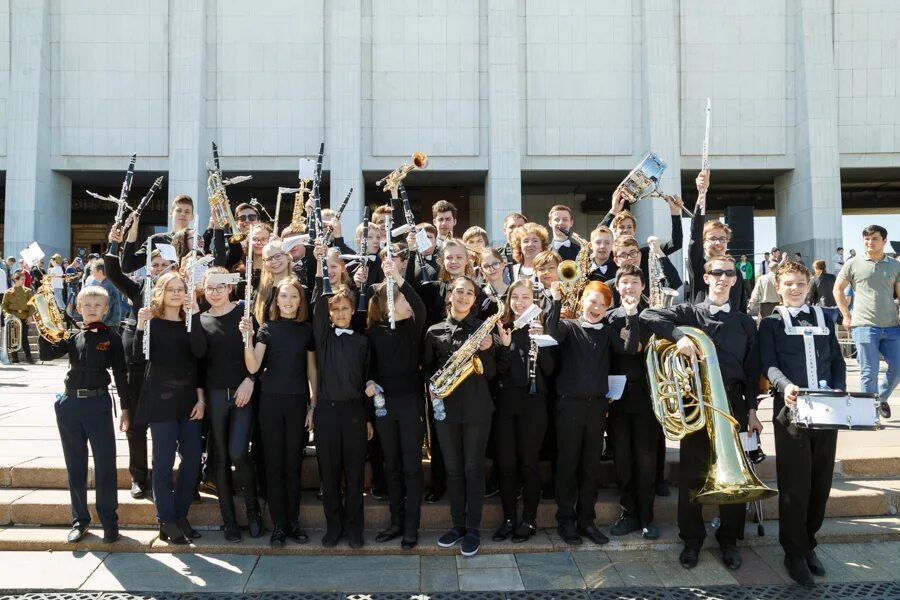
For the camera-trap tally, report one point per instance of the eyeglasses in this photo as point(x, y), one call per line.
point(491, 265)
point(252, 217)
point(716, 240)
point(218, 289)
point(626, 255)
point(719, 272)
point(275, 257)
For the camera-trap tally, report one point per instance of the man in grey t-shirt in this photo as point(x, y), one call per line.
point(874, 324)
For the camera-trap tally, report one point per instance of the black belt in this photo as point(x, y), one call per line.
point(83, 393)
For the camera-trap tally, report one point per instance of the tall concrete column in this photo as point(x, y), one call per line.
point(343, 107)
point(503, 185)
point(808, 199)
point(38, 201)
point(189, 141)
point(660, 110)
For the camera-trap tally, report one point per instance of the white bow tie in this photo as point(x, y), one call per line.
point(796, 310)
point(559, 245)
point(338, 331)
point(587, 325)
point(713, 309)
point(371, 257)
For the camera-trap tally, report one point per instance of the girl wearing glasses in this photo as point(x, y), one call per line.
point(276, 267)
point(172, 402)
point(229, 389)
point(285, 342)
point(491, 267)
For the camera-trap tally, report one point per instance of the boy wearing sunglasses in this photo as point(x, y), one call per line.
point(734, 335)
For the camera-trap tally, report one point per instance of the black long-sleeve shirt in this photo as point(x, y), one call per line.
point(821, 290)
point(222, 345)
point(171, 376)
point(698, 290)
point(636, 397)
point(134, 257)
point(734, 336)
point(91, 355)
point(342, 360)
point(512, 385)
point(783, 357)
point(584, 354)
point(471, 401)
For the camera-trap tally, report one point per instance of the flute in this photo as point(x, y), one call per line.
point(248, 273)
point(390, 279)
point(705, 160)
point(191, 286)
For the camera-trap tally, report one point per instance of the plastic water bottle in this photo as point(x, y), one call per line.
point(380, 410)
point(438, 405)
point(716, 522)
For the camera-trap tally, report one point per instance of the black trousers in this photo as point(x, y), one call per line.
point(82, 421)
point(173, 495)
point(635, 440)
point(464, 445)
point(694, 466)
point(438, 469)
point(580, 423)
point(401, 443)
point(805, 464)
point(519, 438)
point(137, 431)
point(281, 420)
point(341, 450)
point(376, 462)
point(232, 428)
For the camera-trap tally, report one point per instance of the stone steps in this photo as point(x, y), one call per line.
point(22, 538)
point(20, 506)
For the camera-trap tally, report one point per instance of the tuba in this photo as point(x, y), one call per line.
point(47, 316)
point(659, 295)
point(12, 339)
point(393, 179)
point(688, 396)
point(573, 275)
point(464, 361)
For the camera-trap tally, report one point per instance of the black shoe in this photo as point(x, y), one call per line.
point(356, 541)
point(409, 541)
point(254, 523)
point(470, 543)
point(523, 532)
point(434, 496)
point(77, 533)
point(504, 531)
point(319, 494)
point(799, 571)
point(197, 497)
point(689, 557)
point(169, 532)
point(278, 537)
point(491, 489)
point(650, 532)
point(815, 565)
point(330, 539)
point(138, 491)
point(452, 537)
point(232, 532)
point(110, 535)
point(391, 533)
point(569, 535)
point(625, 525)
point(662, 489)
point(731, 558)
point(592, 533)
point(378, 494)
point(297, 535)
point(187, 530)
point(885, 410)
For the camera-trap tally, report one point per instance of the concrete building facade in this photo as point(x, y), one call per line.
point(514, 97)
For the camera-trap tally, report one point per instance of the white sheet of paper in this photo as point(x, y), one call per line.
point(32, 253)
point(292, 241)
point(224, 278)
point(199, 273)
point(616, 386)
point(528, 316)
point(749, 441)
point(307, 168)
point(167, 252)
point(544, 340)
point(422, 241)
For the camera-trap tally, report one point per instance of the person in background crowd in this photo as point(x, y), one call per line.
point(764, 299)
point(57, 271)
point(15, 302)
point(746, 268)
point(837, 261)
point(114, 314)
point(764, 265)
point(821, 291)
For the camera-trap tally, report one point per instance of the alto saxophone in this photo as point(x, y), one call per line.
point(573, 275)
point(464, 361)
point(659, 295)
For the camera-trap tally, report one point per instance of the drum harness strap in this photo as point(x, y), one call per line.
point(809, 345)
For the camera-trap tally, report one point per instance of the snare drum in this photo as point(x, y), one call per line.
point(827, 409)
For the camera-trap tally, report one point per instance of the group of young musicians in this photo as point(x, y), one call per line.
point(352, 366)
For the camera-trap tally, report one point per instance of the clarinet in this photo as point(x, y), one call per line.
point(390, 279)
point(248, 276)
point(123, 194)
point(361, 305)
point(410, 225)
point(326, 280)
point(329, 233)
point(532, 366)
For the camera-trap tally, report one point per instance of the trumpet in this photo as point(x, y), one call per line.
point(393, 179)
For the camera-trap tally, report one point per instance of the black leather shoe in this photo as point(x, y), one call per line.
point(662, 489)
point(391, 533)
point(731, 557)
point(799, 571)
point(885, 409)
point(137, 490)
point(77, 533)
point(523, 532)
point(504, 531)
point(187, 530)
point(815, 565)
point(297, 535)
point(356, 541)
point(197, 497)
point(378, 494)
point(689, 557)
point(625, 525)
point(111, 535)
point(169, 532)
point(569, 535)
point(650, 532)
point(254, 523)
point(595, 535)
point(330, 539)
point(434, 496)
point(278, 537)
point(232, 532)
point(410, 540)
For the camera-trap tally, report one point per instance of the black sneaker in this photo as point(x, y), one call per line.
point(662, 489)
point(625, 525)
point(650, 532)
point(452, 537)
point(278, 537)
point(470, 543)
point(885, 410)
